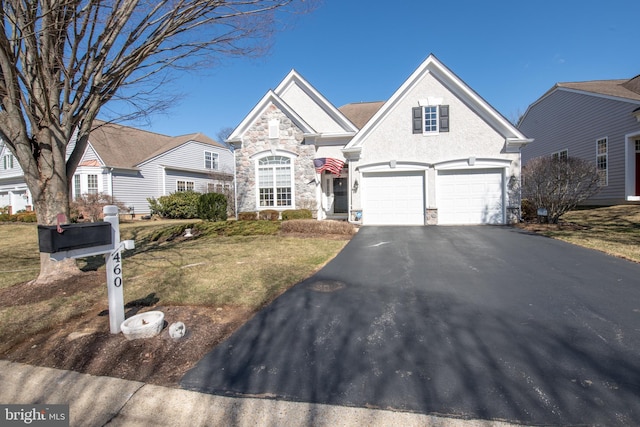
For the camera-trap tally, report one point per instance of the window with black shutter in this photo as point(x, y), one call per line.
point(420, 120)
point(418, 127)
point(444, 118)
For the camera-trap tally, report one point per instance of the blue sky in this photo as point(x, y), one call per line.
point(509, 52)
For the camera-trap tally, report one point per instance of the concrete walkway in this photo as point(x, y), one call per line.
point(99, 401)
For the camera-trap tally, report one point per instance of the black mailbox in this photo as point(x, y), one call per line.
point(74, 236)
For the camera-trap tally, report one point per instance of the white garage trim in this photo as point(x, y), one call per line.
point(473, 163)
point(470, 196)
point(393, 198)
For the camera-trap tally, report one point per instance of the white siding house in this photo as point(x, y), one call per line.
point(133, 165)
point(14, 195)
point(434, 153)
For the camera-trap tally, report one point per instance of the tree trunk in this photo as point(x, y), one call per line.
point(52, 271)
point(51, 199)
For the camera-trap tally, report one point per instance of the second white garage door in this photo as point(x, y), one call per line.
point(470, 197)
point(393, 198)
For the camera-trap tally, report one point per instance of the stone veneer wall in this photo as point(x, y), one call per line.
point(256, 140)
point(432, 216)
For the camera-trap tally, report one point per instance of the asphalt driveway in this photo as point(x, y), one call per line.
point(471, 322)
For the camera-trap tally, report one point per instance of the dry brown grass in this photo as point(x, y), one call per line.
point(313, 227)
point(614, 230)
point(212, 270)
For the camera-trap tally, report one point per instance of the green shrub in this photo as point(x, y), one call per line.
point(297, 214)
point(212, 207)
point(247, 216)
point(269, 215)
point(179, 205)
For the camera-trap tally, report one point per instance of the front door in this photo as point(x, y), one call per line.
point(340, 196)
point(336, 197)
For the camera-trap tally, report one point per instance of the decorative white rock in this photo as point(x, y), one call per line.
point(143, 325)
point(177, 330)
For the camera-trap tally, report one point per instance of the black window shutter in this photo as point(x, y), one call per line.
point(417, 119)
point(444, 118)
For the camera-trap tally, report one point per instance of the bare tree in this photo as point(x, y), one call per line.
point(223, 134)
point(89, 206)
point(62, 61)
point(559, 184)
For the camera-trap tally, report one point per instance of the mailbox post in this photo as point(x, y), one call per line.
point(113, 262)
point(84, 240)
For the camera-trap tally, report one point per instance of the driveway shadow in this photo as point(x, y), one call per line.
point(436, 332)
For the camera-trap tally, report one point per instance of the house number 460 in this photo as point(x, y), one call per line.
point(117, 270)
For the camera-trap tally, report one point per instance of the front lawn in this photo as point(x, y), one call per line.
point(614, 230)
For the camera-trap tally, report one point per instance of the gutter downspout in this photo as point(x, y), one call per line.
point(235, 183)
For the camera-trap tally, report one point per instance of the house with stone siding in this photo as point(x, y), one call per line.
point(434, 153)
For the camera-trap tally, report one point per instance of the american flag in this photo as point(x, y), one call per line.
point(327, 163)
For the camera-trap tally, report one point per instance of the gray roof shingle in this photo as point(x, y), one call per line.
point(126, 147)
point(359, 113)
point(621, 88)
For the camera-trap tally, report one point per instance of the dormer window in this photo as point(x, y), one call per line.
point(7, 161)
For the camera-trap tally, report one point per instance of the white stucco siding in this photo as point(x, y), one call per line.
point(332, 152)
point(310, 110)
point(456, 159)
point(469, 134)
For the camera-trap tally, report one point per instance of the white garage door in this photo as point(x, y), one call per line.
point(393, 198)
point(470, 197)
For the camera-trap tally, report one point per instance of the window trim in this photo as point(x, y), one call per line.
point(438, 119)
point(431, 121)
point(214, 160)
point(275, 193)
point(8, 161)
point(561, 154)
point(91, 189)
point(186, 185)
point(77, 186)
point(599, 157)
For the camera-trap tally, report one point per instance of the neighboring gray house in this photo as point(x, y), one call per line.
point(597, 121)
point(434, 153)
point(133, 165)
point(14, 194)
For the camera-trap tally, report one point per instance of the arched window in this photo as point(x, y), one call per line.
point(275, 181)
